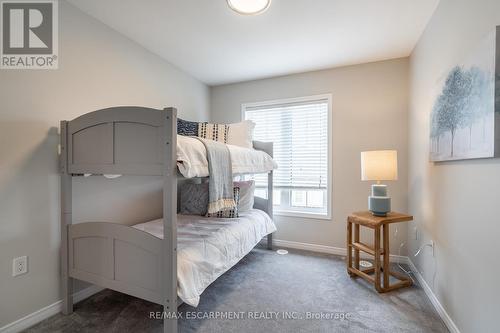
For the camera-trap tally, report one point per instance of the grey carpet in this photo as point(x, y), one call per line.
point(265, 281)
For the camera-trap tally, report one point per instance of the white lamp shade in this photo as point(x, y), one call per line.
point(379, 165)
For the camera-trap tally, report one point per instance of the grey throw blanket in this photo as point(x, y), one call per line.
point(220, 183)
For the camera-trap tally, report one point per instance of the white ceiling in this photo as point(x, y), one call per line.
point(217, 46)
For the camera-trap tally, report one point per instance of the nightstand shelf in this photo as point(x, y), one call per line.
point(380, 249)
point(365, 248)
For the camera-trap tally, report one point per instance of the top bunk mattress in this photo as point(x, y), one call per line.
point(192, 159)
point(208, 247)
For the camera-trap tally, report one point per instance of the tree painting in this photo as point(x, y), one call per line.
point(463, 114)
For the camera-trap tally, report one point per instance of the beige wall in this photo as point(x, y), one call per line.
point(98, 68)
point(369, 112)
point(455, 203)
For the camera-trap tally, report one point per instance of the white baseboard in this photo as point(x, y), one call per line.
point(340, 251)
point(46, 312)
point(434, 300)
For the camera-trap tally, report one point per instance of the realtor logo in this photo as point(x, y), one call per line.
point(29, 34)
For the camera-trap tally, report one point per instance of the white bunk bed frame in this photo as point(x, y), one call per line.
point(126, 141)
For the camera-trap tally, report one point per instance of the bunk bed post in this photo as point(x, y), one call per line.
point(270, 207)
point(170, 222)
point(270, 199)
point(263, 204)
point(66, 220)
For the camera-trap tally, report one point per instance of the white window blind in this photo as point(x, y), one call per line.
point(299, 131)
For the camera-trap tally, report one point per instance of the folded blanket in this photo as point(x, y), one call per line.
point(220, 182)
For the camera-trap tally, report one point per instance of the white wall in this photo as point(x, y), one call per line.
point(455, 203)
point(98, 68)
point(369, 112)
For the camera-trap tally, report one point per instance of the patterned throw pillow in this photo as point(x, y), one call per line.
point(230, 213)
point(194, 199)
point(187, 128)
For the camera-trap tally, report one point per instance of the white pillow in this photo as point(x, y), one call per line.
point(241, 134)
point(246, 198)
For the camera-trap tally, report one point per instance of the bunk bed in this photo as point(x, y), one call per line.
point(139, 260)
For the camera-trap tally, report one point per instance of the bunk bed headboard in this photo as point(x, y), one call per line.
point(118, 140)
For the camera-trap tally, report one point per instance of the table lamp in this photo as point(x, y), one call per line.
point(379, 165)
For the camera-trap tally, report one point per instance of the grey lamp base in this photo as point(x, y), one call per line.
point(379, 203)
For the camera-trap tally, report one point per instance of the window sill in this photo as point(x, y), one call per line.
point(312, 216)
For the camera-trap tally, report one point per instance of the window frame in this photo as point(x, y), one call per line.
point(329, 189)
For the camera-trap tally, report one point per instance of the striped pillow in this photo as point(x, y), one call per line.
point(216, 132)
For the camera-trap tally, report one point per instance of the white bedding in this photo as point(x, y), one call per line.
point(208, 247)
point(192, 159)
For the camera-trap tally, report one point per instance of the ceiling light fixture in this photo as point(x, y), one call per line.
point(249, 7)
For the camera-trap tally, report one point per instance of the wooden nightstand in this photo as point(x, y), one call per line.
point(366, 219)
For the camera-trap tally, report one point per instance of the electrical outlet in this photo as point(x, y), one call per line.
point(433, 247)
point(415, 230)
point(19, 266)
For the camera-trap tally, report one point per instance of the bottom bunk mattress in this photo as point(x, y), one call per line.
point(208, 247)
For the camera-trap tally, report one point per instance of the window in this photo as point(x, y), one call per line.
point(300, 131)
